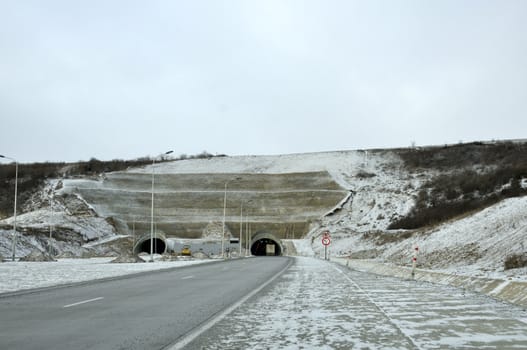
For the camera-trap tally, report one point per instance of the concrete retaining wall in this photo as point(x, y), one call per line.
point(514, 292)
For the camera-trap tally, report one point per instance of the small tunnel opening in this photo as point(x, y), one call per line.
point(159, 246)
point(266, 247)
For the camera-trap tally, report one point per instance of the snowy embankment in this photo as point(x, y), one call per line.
point(15, 276)
point(476, 245)
point(512, 290)
point(381, 191)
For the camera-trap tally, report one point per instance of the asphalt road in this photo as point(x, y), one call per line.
point(151, 311)
point(320, 305)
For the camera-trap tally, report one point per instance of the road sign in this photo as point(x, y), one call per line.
point(326, 241)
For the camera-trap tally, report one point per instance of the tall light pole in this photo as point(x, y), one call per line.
point(50, 222)
point(223, 223)
point(241, 225)
point(152, 209)
point(16, 188)
point(249, 236)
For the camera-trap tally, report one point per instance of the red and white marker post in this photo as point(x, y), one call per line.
point(326, 241)
point(414, 260)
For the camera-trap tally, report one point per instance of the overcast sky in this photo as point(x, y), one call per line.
point(124, 79)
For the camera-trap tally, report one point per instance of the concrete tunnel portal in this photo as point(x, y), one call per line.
point(262, 244)
point(266, 244)
point(143, 245)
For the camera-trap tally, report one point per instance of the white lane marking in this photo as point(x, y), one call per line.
point(189, 337)
point(187, 277)
point(83, 302)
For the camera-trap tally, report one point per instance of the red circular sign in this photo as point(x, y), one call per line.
point(326, 241)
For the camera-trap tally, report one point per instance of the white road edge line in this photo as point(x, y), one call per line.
point(187, 277)
point(83, 302)
point(185, 340)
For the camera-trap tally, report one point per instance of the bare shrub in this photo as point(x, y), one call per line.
point(515, 261)
point(464, 189)
point(364, 175)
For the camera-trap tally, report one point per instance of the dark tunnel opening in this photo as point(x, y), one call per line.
point(159, 246)
point(266, 247)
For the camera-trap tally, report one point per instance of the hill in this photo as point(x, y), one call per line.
point(377, 203)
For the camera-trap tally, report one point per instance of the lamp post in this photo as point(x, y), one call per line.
point(248, 234)
point(223, 222)
point(14, 218)
point(241, 225)
point(50, 223)
point(152, 209)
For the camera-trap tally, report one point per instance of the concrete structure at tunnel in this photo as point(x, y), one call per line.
point(160, 244)
point(258, 245)
point(275, 206)
point(261, 241)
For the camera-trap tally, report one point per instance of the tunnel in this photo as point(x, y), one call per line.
point(143, 244)
point(266, 244)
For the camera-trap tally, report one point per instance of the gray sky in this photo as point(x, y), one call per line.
point(124, 79)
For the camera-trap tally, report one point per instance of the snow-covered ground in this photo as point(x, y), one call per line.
point(476, 245)
point(15, 276)
point(318, 305)
point(382, 190)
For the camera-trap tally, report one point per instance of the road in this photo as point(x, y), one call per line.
point(150, 311)
point(319, 305)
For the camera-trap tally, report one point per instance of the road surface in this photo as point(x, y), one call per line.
point(320, 305)
point(150, 311)
point(314, 304)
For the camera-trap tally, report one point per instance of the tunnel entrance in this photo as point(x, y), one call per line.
point(143, 244)
point(159, 246)
point(265, 244)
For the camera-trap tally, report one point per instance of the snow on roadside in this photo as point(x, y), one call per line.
point(477, 244)
point(328, 313)
point(15, 276)
point(337, 308)
point(382, 190)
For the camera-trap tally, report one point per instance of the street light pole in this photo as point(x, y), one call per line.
point(241, 227)
point(50, 223)
point(224, 211)
point(223, 222)
point(247, 242)
point(152, 210)
point(14, 217)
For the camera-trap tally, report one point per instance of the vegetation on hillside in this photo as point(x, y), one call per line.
point(472, 177)
point(31, 176)
point(515, 261)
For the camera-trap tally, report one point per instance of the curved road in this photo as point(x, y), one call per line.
point(150, 311)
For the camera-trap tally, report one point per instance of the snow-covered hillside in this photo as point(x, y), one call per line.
point(381, 190)
point(475, 245)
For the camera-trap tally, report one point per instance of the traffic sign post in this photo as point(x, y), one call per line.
point(326, 241)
